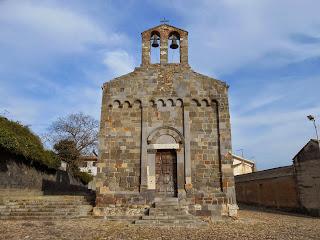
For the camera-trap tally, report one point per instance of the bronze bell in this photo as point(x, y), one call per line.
point(174, 44)
point(155, 43)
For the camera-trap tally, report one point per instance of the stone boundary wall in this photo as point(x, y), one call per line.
point(274, 188)
point(17, 173)
point(266, 174)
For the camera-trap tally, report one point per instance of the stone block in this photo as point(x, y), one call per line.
point(232, 210)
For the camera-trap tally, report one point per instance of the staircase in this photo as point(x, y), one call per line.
point(34, 206)
point(168, 211)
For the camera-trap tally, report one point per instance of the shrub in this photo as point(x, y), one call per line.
point(84, 177)
point(19, 140)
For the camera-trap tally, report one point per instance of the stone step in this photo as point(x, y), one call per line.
point(58, 205)
point(14, 203)
point(22, 211)
point(42, 198)
point(40, 213)
point(20, 192)
point(159, 217)
point(167, 205)
point(40, 205)
point(53, 217)
point(43, 202)
point(166, 199)
point(14, 215)
point(58, 211)
point(32, 204)
point(46, 209)
point(166, 213)
point(18, 211)
point(130, 219)
point(182, 223)
point(45, 197)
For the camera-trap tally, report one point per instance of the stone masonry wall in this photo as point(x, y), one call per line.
point(204, 147)
point(295, 187)
point(165, 95)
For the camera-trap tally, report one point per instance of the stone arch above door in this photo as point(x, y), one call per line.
point(158, 135)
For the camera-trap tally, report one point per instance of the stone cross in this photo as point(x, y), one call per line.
point(164, 20)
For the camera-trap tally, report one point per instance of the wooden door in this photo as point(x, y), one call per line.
point(166, 173)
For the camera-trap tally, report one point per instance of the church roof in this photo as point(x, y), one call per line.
point(162, 25)
point(242, 159)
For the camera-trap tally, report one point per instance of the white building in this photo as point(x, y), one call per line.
point(63, 166)
point(88, 164)
point(242, 165)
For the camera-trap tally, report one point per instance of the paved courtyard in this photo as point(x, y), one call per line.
point(252, 224)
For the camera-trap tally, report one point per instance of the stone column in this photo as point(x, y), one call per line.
point(184, 48)
point(151, 169)
point(145, 58)
point(163, 48)
point(144, 157)
point(180, 172)
point(187, 158)
point(224, 144)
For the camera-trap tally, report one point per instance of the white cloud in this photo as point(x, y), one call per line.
point(119, 62)
point(261, 101)
point(34, 31)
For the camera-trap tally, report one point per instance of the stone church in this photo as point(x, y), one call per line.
point(165, 136)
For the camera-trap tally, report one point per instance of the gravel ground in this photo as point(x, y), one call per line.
point(252, 224)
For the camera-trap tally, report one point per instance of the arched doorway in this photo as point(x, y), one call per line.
point(165, 165)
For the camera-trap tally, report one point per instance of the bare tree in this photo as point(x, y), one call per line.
point(80, 128)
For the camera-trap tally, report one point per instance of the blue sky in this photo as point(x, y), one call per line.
point(55, 55)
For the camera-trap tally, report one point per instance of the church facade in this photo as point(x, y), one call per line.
point(165, 133)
